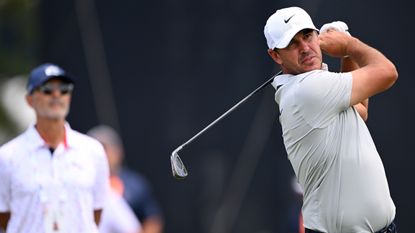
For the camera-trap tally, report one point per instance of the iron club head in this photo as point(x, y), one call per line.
point(177, 166)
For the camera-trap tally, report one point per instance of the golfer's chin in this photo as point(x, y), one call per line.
point(313, 64)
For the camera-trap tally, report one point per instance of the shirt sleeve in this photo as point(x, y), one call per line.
point(101, 186)
point(118, 216)
point(4, 183)
point(323, 95)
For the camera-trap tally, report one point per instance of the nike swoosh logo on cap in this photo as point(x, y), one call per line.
point(286, 20)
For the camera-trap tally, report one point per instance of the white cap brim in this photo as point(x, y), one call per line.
point(285, 41)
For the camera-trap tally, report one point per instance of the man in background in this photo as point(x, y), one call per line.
point(133, 187)
point(53, 178)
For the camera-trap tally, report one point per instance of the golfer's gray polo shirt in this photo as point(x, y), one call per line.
point(333, 154)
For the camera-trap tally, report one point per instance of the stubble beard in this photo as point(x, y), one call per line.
point(54, 114)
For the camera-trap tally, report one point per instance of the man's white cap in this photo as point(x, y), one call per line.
point(282, 26)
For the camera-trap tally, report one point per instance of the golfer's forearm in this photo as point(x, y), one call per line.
point(347, 64)
point(362, 109)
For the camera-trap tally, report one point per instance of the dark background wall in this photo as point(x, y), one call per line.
point(160, 71)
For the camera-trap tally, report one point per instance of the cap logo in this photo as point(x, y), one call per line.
point(287, 20)
point(53, 71)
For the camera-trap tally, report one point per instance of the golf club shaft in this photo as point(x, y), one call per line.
point(229, 111)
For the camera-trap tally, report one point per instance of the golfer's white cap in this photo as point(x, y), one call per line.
point(282, 26)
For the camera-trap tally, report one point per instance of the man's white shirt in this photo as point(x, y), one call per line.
point(53, 193)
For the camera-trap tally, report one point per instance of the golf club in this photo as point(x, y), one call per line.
point(177, 166)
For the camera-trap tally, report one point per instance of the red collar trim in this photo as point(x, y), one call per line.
point(65, 140)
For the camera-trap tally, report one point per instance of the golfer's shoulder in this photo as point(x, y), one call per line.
point(315, 76)
point(311, 79)
point(317, 79)
point(312, 84)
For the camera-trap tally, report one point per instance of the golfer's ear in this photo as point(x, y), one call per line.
point(275, 56)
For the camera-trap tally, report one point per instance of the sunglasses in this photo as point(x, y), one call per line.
point(63, 88)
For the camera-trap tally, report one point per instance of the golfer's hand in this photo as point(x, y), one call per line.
point(339, 26)
point(334, 43)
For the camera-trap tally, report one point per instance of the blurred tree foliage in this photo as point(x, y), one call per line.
point(18, 47)
point(18, 36)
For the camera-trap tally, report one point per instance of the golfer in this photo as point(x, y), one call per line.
point(322, 116)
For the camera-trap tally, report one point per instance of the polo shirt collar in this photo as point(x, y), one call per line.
point(36, 141)
point(34, 138)
point(282, 79)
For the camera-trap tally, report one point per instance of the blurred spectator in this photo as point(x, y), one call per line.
point(295, 218)
point(53, 178)
point(118, 217)
point(132, 186)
